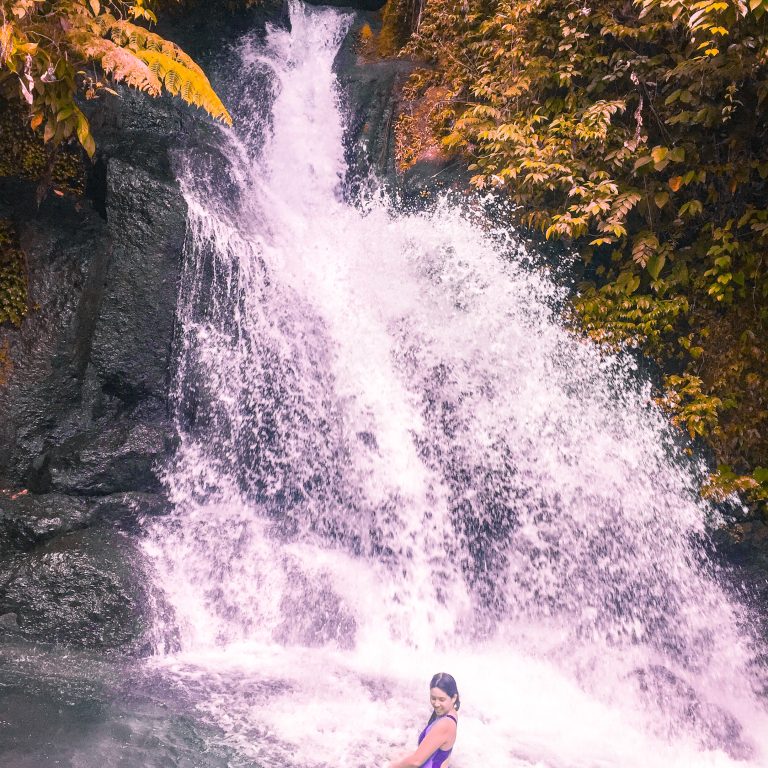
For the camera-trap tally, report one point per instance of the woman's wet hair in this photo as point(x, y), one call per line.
point(447, 685)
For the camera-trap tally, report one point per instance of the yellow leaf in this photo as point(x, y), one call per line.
point(84, 133)
point(661, 198)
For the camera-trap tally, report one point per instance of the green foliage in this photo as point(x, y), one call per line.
point(725, 482)
point(51, 51)
point(691, 408)
point(633, 130)
point(13, 277)
point(616, 316)
point(23, 154)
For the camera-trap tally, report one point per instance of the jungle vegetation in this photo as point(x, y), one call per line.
point(637, 132)
point(54, 51)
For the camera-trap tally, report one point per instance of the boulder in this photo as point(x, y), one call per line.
point(30, 520)
point(80, 589)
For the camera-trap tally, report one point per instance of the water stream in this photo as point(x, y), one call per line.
point(394, 460)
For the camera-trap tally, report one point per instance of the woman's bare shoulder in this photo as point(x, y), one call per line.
point(447, 723)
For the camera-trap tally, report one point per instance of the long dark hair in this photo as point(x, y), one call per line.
point(446, 684)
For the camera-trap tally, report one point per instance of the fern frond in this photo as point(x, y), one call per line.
point(120, 64)
point(189, 83)
point(146, 61)
point(137, 38)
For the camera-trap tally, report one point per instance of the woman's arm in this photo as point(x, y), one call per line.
point(439, 733)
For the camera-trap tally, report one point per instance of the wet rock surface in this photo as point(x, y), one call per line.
point(85, 423)
point(84, 412)
point(70, 571)
point(742, 546)
point(89, 382)
point(371, 92)
point(77, 589)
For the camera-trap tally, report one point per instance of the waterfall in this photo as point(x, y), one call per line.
point(394, 460)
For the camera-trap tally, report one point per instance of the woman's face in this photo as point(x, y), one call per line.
point(441, 702)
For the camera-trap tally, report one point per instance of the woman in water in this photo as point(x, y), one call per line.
point(437, 739)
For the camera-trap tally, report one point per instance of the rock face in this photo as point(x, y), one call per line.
point(67, 569)
point(742, 547)
point(371, 91)
point(84, 413)
point(85, 422)
point(85, 407)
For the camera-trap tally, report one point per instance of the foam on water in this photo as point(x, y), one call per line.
point(393, 459)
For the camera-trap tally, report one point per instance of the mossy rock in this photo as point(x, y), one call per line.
point(24, 155)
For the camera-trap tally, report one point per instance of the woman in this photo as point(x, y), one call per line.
point(437, 739)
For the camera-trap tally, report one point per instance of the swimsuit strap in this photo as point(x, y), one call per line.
point(452, 718)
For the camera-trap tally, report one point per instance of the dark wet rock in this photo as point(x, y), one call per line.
point(204, 35)
point(122, 459)
point(90, 365)
point(84, 419)
point(371, 92)
point(79, 589)
point(131, 344)
point(29, 520)
point(9, 621)
point(427, 179)
point(742, 546)
point(129, 508)
point(43, 389)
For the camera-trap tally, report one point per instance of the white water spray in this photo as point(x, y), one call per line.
point(394, 460)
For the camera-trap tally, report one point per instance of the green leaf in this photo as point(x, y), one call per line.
point(761, 475)
point(656, 264)
point(677, 155)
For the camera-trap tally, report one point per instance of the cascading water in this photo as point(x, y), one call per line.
point(394, 460)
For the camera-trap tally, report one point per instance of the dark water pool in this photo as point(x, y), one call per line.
point(64, 708)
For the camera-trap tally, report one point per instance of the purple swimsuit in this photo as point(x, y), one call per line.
point(437, 758)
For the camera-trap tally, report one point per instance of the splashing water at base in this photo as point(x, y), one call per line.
point(394, 460)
